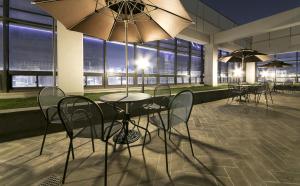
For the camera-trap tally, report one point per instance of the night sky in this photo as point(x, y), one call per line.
point(241, 11)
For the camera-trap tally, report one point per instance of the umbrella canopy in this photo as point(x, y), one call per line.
point(245, 56)
point(276, 64)
point(147, 20)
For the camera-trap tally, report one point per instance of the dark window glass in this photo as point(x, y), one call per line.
point(196, 49)
point(147, 55)
point(196, 66)
point(147, 80)
point(166, 62)
point(167, 44)
point(93, 55)
point(23, 81)
point(112, 80)
point(182, 64)
point(130, 80)
point(222, 68)
point(163, 80)
point(1, 7)
point(45, 81)
point(94, 80)
point(1, 46)
point(116, 58)
point(182, 45)
point(30, 49)
point(24, 10)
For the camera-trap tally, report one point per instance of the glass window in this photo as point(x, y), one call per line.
point(167, 44)
point(23, 81)
point(182, 64)
point(94, 80)
point(150, 55)
point(196, 66)
point(114, 80)
point(45, 81)
point(1, 46)
point(30, 49)
point(183, 46)
point(23, 9)
point(166, 62)
point(152, 80)
point(1, 7)
point(179, 80)
point(163, 80)
point(140, 80)
point(196, 49)
point(130, 80)
point(93, 55)
point(116, 58)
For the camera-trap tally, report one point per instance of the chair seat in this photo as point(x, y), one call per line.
point(153, 106)
point(86, 132)
point(57, 121)
point(155, 120)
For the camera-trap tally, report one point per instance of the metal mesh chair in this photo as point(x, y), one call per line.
point(233, 92)
point(264, 89)
point(179, 111)
point(160, 99)
point(80, 115)
point(48, 99)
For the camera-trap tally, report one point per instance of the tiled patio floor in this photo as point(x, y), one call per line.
point(235, 144)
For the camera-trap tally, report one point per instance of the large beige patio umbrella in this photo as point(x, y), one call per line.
point(276, 64)
point(136, 21)
point(245, 56)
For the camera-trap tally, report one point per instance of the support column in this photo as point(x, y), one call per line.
point(70, 61)
point(211, 65)
point(250, 72)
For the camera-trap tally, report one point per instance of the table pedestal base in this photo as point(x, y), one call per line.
point(132, 137)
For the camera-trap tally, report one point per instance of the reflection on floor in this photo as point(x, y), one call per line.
point(235, 144)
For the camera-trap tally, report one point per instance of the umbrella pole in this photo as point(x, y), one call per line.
point(244, 74)
point(126, 53)
point(275, 75)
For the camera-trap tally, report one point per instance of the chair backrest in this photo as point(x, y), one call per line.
point(164, 92)
point(79, 112)
point(180, 107)
point(49, 97)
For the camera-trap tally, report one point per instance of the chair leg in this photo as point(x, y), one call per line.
point(92, 135)
point(170, 133)
point(266, 98)
point(73, 156)
point(188, 130)
point(147, 125)
point(166, 151)
point(105, 168)
point(67, 161)
point(44, 138)
point(271, 97)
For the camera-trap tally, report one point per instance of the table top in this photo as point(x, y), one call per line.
point(121, 97)
point(247, 85)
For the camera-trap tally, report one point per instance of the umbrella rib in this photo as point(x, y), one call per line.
point(170, 13)
point(138, 32)
point(159, 26)
point(111, 31)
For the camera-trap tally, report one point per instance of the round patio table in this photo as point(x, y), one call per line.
point(131, 135)
point(245, 89)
